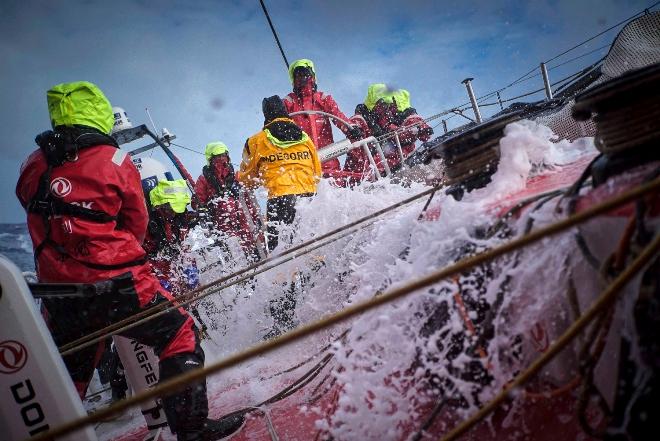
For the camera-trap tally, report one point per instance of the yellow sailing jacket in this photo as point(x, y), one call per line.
point(282, 158)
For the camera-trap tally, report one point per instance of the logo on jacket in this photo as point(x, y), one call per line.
point(294, 156)
point(13, 356)
point(60, 187)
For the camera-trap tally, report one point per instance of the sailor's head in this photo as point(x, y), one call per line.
point(80, 104)
point(302, 74)
point(215, 148)
point(374, 93)
point(169, 198)
point(217, 157)
point(302, 69)
point(383, 102)
point(273, 107)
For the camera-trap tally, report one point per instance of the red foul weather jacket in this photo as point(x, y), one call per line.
point(166, 252)
point(417, 129)
point(411, 129)
point(103, 178)
point(228, 214)
point(356, 159)
point(317, 126)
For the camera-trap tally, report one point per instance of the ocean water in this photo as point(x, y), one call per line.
point(15, 244)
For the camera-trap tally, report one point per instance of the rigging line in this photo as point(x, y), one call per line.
point(187, 148)
point(245, 273)
point(605, 31)
point(563, 80)
point(538, 74)
point(272, 28)
point(603, 301)
point(578, 57)
point(525, 76)
point(536, 91)
point(521, 78)
point(389, 296)
point(523, 95)
point(589, 70)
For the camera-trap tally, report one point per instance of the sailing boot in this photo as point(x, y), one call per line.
point(214, 429)
point(283, 310)
point(187, 409)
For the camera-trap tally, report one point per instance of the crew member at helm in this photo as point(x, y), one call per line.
point(394, 113)
point(384, 114)
point(306, 97)
point(87, 218)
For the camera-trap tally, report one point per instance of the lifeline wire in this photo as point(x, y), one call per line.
point(213, 287)
point(356, 309)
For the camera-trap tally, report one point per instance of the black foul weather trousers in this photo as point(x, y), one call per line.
point(71, 319)
point(280, 210)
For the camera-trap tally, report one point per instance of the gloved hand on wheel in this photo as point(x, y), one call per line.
point(354, 133)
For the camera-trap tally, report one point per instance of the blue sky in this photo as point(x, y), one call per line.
point(202, 67)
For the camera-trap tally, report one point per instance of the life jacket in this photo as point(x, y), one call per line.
point(58, 147)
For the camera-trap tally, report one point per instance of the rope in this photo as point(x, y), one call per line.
point(187, 148)
point(308, 359)
point(272, 28)
point(526, 76)
point(604, 301)
point(568, 79)
point(387, 297)
point(605, 31)
point(566, 62)
point(253, 270)
point(579, 56)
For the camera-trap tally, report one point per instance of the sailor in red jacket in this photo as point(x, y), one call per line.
point(387, 115)
point(356, 159)
point(87, 218)
point(400, 120)
point(305, 96)
point(169, 224)
point(367, 120)
point(230, 209)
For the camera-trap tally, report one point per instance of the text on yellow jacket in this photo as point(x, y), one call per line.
point(282, 158)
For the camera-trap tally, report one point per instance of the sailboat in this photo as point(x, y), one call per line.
point(503, 286)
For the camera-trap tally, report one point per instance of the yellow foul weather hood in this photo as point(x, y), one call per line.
point(302, 62)
point(173, 192)
point(402, 98)
point(215, 148)
point(374, 93)
point(80, 103)
point(380, 91)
